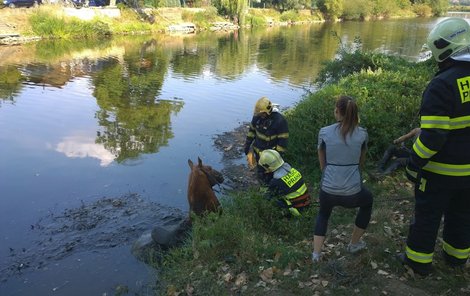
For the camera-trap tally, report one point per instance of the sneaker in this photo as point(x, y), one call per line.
point(316, 257)
point(359, 246)
point(418, 268)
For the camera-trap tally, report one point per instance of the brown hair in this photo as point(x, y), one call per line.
point(347, 108)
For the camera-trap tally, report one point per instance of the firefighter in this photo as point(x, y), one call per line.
point(268, 130)
point(439, 163)
point(287, 184)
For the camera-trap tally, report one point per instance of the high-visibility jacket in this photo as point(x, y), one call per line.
point(442, 148)
point(271, 132)
point(291, 191)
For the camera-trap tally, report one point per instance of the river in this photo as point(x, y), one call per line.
point(89, 120)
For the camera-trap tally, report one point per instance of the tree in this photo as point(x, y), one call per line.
point(235, 9)
point(439, 7)
point(332, 9)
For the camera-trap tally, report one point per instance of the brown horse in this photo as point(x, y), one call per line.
point(201, 197)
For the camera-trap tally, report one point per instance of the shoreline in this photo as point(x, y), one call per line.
point(147, 21)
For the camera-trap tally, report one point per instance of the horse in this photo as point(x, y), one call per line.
point(201, 197)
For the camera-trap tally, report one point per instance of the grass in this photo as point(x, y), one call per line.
point(55, 26)
point(253, 249)
point(17, 19)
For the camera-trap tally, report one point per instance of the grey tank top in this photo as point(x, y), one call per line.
point(341, 175)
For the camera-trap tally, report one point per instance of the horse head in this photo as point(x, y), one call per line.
point(201, 197)
point(213, 176)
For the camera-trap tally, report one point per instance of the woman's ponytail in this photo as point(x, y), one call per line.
point(348, 110)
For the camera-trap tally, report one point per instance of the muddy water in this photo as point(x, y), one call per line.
point(95, 138)
point(72, 241)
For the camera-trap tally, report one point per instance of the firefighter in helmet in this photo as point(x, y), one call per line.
point(287, 184)
point(439, 163)
point(268, 130)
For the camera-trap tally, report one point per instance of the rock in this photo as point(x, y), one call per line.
point(144, 248)
point(170, 235)
point(161, 238)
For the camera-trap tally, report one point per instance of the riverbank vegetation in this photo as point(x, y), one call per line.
point(387, 89)
point(148, 17)
point(253, 249)
point(460, 5)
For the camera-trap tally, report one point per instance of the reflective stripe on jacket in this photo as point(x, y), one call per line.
point(291, 189)
point(441, 149)
point(271, 132)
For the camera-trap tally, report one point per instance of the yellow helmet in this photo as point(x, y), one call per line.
point(449, 38)
point(270, 160)
point(263, 105)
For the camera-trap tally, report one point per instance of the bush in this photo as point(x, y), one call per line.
point(256, 21)
point(351, 59)
point(202, 19)
point(422, 10)
point(387, 90)
point(289, 16)
point(357, 9)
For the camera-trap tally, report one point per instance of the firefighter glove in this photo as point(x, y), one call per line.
point(247, 148)
point(250, 158)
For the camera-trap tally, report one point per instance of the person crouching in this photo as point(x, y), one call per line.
point(287, 184)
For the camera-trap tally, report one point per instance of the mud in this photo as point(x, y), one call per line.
point(235, 170)
point(105, 223)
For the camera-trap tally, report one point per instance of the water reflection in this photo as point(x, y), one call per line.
point(127, 75)
point(132, 129)
point(81, 146)
point(134, 121)
point(10, 82)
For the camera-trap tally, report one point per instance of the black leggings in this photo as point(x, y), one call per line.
point(361, 200)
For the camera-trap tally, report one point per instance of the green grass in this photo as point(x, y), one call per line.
point(252, 249)
point(51, 26)
point(203, 19)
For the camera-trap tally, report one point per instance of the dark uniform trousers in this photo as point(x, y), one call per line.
point(431, 205)
point(443, 178)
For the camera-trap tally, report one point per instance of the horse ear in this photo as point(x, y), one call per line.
point(190, 163)
point(199, 161)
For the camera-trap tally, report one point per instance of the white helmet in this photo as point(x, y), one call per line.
point(270, 160)
point(449, 38)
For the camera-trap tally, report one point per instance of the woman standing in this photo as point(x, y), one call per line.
point(341, 151)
